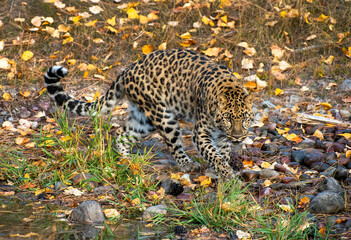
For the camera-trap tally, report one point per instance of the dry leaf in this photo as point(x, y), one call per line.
point(277, 52)
point(250, 51)
point(278, 91)
point(27, 55)
point(95, 9)
point(329, 60)
point(212, 52)
point(6, 96)
point(283, 65)
point(247, 63)
point(132, 13)
point(147, 49)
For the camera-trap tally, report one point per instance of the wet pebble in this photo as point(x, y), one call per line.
point(319, 166)
point(268, 174)
point(298, 156)
point(285, 160)
point(25, 113)
point(154, 210)
point(88, 212)
point(249, 175)
point(344, 160)
point(330, 184)
point(305, 176)
point(265, 192)
point(44, 105)
point(327, 203)
point(313, 157)
point(288, 179)
point(307, 143)
point(172, 186)
point(330, 172)
point(280, 168)
point(341, 173)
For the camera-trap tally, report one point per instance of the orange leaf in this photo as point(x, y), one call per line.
point(147, 49)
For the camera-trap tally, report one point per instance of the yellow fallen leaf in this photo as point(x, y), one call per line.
point(132, 13)
point(278, 91)
point(152, 16)
point(207, 21)
point(91, 67)
point(21, 140)
point(175, 176)
point(6, 96)
point(162, 46)
point(293, 13)
point(111, 29)
point(111, 213)
point(25, 93)
point(67, 40)
point(237, 75)
point(283, 14)
point(112, 21)
point(347, 51)
point(318, 134)
point(85, 75)
point(282, 131)
point(212, 52)
point(348, 153)
point(185, 35)
point(346, 135)
point(187, 42)
point(136, 201)
point(63, 28)
point(27, 55)
point(265, 165)
point(329, 60)
point(147, 49)
point(76, 19)
point(250, 51)
point(285, 208)
point(250, 85)
point(322, 18)
point(267, 183)
point(326, 106)
point(71, 61)
point(143, 19)
point(30, 145)
point(206, 182)
point(227, 206)
point(91, 23)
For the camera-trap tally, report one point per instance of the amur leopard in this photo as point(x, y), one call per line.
point(163, 87)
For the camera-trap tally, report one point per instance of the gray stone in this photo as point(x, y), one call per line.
point(153, 211)
point(341, 173)
point(268, 174)
point(172, 186)
point(330, 184)
point(77, 179)
point(345, 113)
point(345, 85)
point(298, 156)
point(330, 172)
point(327, 202)
point(307, 143)
point(89, 212)
point(313, 157)
point(59, 185)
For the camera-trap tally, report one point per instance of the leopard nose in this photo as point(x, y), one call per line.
point(237, 129)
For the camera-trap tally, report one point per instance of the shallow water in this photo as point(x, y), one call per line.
point(29, 220)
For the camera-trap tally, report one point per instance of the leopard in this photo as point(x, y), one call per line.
point(163, 88)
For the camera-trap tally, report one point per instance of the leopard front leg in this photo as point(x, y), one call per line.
point(168, 126)
point(206, 146)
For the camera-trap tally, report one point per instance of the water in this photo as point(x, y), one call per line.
point(34, 220)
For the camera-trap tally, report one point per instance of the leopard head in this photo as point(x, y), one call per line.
point(234, 113)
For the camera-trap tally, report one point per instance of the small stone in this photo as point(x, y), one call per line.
point(341, 173)
point(285, 160)
point(44, 105)
point(327, 203)
point(319, 166)
point(172, 187)
point(313, 157)
point(34, 125)
point(345, 85)
point(288, 179)
point(307, 143)
point(180, 230)
point(268, 174)
point(25, 114)
point(330, 184)
point(154, 210)
point(298, 156)
point(338, 147)
point(89, 212)
point(330, 172)
point(294, 100)
point(344, 160)
point(305, 176)
point(249, 175)
point(185, 197)
point(280, 168)
point(267, 104)
point(330, 156)
point(345, 113)
point(58, 185)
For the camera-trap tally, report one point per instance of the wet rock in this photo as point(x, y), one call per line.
point(271, 147)
point(330, 156)
point(25, 113)
point(288, 179)
point(330, 172)
point(280, 168)
point(330, 184)
point(319, 166)
point(327, 203)
point(268, 174)
point(172, 187)
point(103, 190)
point(344, 160)
point(345, 85)
point(307, 143)
point(338, 147)
point(154, 210)
point(298, 156)
point(277, 186)
point(345, 113)
point(305, 176)
point(313, 157)
point(341, 173)
point(89, 212)
point(249, 175)
point(34, 125)
point(285, 160)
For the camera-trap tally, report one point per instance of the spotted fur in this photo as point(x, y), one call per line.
point(165, 86)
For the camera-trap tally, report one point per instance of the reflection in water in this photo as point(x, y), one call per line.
point(23, 220)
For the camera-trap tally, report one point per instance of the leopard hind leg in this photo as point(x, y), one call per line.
point(137, 126)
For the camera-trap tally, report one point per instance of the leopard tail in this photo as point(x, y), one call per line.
point(104, 105)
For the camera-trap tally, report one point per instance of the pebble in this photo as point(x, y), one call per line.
point(330, 184)
point(305, 176)
point(249, 175)
point(288, 179)
point(25, 113)
point(265, 192)
point(285, 160)
point(313, 157)
point(89, 212)
point(345, 113)
point(44, 105)
point(307, 143)
point(298, 156)
point(154, 210)
point(345, 85)
point(344, 160)
point(268, 174)
point(330, 172)
point(77, 179)
point(341, 173)
point(319, 166)
point(294, 100)
point(327, 203)
point(172, 186)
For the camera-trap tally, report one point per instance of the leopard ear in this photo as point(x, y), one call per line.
point(249, 100)
point(222, 101)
